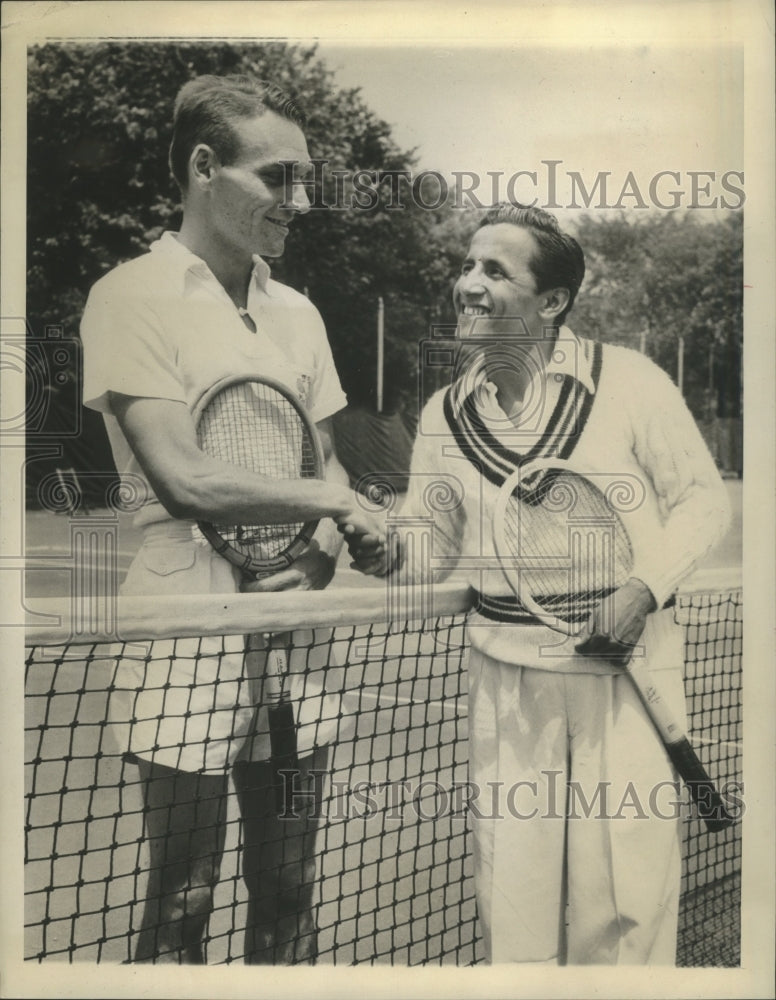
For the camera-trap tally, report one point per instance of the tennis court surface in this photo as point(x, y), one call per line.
point(394, 866)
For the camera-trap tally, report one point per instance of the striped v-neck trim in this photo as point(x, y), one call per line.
point(558, 439)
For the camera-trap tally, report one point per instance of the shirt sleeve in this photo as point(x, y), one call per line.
point(431, 519)
point(125, 350)
point(692, 499)
point(327, 396)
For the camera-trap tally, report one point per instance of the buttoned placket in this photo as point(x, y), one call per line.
point(212, 285)
point(258, 278)
point(247, 319)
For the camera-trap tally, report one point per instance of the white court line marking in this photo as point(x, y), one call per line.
point(57, 552)
point(709, 742)
point(443, 707)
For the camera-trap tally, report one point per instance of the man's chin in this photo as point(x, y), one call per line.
point(480, 328)
point(492, 328)
point(472, 327)
point(275, 248)
point(273, 244)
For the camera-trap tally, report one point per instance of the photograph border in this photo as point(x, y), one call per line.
point(589, 23)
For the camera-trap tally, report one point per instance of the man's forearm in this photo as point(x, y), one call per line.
point(695, 524)
point(326, 534)
point(192, 485)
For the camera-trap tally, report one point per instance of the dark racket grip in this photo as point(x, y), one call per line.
point(282, 726)
point(707, 799)
point(282, 739)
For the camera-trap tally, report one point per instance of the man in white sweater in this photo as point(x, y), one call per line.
point(574, 810)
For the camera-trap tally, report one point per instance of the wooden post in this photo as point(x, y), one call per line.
point(380, 352)
point(680, 366)
point(712, 400)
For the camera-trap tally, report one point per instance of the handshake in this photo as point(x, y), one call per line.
point(374, 551)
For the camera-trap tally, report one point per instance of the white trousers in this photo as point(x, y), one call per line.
point(576, 819)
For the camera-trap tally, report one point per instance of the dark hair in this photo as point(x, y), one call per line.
point(558, 261)
point(207, 108)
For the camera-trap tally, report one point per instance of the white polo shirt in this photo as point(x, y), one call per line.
point(162, 326)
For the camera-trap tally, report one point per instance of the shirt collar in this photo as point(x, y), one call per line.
point(185, 265)
point(568, 359)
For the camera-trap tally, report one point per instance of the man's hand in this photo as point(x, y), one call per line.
point(313, 570)
point(372, 554)
point(616, 625)
point(368, 543)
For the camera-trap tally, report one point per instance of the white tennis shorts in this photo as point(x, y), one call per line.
point(195, 704)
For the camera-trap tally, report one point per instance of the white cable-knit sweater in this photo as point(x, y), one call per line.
point(639, 432)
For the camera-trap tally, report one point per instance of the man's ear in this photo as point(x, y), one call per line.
point(201, 164)
point(554, 301)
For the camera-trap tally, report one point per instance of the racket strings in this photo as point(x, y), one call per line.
point(253, 426)
point(566, 547)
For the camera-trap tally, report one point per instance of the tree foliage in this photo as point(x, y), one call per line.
point(650, 283)
point(99, 192)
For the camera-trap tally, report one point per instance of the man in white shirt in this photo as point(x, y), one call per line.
point(557, 881)
point(157, 332)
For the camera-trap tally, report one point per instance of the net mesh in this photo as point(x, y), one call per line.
point(392, 875)
point(710, 910)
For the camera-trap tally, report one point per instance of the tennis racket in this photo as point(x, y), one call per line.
point(258, 424)
point(563, 549)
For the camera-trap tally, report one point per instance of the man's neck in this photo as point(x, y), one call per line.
point(233, 273)
point(513, 380)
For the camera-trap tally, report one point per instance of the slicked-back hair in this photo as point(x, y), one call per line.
point(558, 261)
point(207, 108)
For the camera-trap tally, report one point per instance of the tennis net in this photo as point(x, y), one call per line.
point(392, 881)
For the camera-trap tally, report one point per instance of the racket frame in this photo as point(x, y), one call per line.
point(248, 564)
point(272, 647)
point(507, 559)
point(708, 802)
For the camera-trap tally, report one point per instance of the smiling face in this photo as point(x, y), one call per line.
point(251, 201)
point(496, 296)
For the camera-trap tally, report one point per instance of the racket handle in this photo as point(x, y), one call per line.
point(276, 668)
point(285, 762)
point(707, 799)
point(281, 721)
point(704, 794)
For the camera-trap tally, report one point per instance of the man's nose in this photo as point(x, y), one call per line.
point(299, 201)
point(470, 284)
